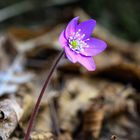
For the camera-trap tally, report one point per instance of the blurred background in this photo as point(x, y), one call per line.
point(82, 105)
point(121, 17)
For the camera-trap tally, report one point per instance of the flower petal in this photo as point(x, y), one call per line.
point(86, 28)
point(87, 62)
point(96, 46)
point(62, 39)
point(71, 55)
point(71, 27)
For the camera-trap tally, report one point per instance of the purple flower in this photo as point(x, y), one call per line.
point(78, 44)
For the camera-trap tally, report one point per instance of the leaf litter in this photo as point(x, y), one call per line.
point(81, 105)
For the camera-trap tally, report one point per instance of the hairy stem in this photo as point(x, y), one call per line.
point(34, 113)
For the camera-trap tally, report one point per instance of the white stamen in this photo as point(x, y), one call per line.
point(81, 45)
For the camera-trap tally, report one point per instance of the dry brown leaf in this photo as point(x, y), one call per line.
point(65, 136)
point(10, 113)
point(42, 135)
point(115, 98)
point(93, 120)
point(43, 120)
point(73, 95)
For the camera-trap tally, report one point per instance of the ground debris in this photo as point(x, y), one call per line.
point(81, 105)
point(10, 113)
point(42, 135)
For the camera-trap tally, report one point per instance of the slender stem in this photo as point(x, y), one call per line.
point(34, 113)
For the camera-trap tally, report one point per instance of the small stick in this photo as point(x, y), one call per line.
point(55, 122)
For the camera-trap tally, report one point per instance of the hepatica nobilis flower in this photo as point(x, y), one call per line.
point(78, 44)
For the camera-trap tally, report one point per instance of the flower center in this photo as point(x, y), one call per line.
point(74, 44)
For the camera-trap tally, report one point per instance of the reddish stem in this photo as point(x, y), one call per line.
point(34, 113)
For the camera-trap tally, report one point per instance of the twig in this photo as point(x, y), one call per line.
point(54, 118)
